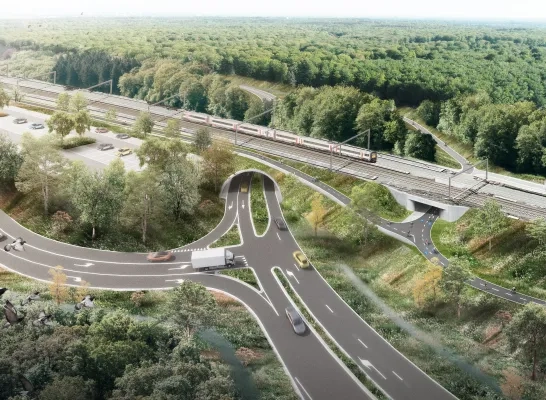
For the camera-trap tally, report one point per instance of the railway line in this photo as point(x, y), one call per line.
point(395, 177)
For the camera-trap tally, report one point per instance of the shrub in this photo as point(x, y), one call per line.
point(72, 142)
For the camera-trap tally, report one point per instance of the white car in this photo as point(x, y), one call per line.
point(36, 126)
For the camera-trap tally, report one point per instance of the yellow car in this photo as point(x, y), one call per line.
point(300, 258)
point(124, 152)
point(244, 187)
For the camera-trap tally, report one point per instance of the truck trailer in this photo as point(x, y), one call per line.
point(206, 260)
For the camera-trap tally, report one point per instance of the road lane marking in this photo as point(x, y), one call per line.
point(329, 308)
point(495, 289)
point(296, 265)
point(306, 392)
point(181, 267)
point(290, 273)
point(278, 236)
point(521, 298)
point(509, 294)
point(86, 265)
point(398, 376)
point(369, 365)
point(362, 343)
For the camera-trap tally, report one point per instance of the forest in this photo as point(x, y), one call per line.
point(346, 75)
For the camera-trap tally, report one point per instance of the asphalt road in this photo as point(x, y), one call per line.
point(519, 198)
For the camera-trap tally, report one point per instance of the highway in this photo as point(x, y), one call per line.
point(521, 199)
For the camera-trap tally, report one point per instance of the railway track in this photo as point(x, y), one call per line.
point(388, 176)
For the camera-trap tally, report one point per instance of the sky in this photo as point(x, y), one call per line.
point(426, 9)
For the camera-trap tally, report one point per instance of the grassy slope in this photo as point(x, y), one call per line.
point(277, 89)
point(392, 270)
point(230, 238)
point(258, 206)
point(466, 150)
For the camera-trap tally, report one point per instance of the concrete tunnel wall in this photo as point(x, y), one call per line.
point(448, 212)
point(225, 185)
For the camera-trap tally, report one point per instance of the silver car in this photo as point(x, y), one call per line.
point(37, 126)
point(20, 121)
point(105, 146)
point(296, 320)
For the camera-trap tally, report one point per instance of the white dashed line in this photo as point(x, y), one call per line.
point(362, 343)
point(509, 294)
point(329, 308)
point(398, 376)
point(496, 290)
point(296, 265)
point(278, 236)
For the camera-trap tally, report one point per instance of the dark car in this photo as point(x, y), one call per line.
point(281, 224)
point(105, 146)
point(20, 121)
point(37, 126)
point(160, 256)
point(122, 136)
point(295, 319)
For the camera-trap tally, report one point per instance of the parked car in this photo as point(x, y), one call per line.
point(160, 256)
point(101, 130)
point(295, 319)
point(36, 126)
point(300, 258)
point(20, 121)
point(122, 136)
point(124, 152)
point(281, 224)
point(105, 146)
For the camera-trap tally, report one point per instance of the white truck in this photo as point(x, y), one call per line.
point(206, 260)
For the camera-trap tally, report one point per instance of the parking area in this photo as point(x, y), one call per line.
point(105, 157)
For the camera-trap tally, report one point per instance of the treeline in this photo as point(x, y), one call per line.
point(89, 68)
point(404, 61)
point(512, 136)
point(339, 113)
point(196, 87)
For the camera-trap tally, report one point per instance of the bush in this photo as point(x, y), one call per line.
point(72, 142)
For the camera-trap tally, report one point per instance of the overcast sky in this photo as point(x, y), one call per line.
point(458, 9)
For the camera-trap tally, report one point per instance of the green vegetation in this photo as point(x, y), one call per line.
point(351, 365)
point(139, 334)
point(257, 204)
point(230, 238)
point(72, 142)
point(376, 198)
point(246, 275)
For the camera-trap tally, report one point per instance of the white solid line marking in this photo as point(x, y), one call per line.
point(362, 343)
point(398, 376)
point(278, 236)
point(306, 392)
point(329, 308)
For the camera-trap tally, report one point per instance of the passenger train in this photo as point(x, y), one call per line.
point(281, 136)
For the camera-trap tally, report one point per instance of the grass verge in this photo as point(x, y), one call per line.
point(351, 365)
point(230, 238)
point(77, 141)
point(258, 207)
point(246, 275)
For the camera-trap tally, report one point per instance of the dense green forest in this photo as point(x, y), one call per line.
point(347, 75)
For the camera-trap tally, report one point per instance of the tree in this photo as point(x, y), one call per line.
point(180, 186)
point(67, 388)
point(527, 333)
point(82, 122)
point(429, 111)
point(63, 102)
point(318, 213)
point(78, 102)
point(172, 130)
point(57, 287)
point(144, 123)
point(97, 195)
point(454, 278)
point(257, 107)
point(159, 153)
point(537, 230)
point(420, 145)
point(10, 160)
point(203, 139)
point(61, 123)
point(142, 200)
point(18, 94)
point(191, 307)
point(489, 220)
point(4, 98)
point(111, 115)
point(41, 169)
point(219, 162)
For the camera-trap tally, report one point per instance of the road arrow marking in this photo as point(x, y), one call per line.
point(181, 267)
point(175, 280)
point(369, 365)
point(76, 278)
point(290, 273)
point(87, 265)
point(230, 206)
